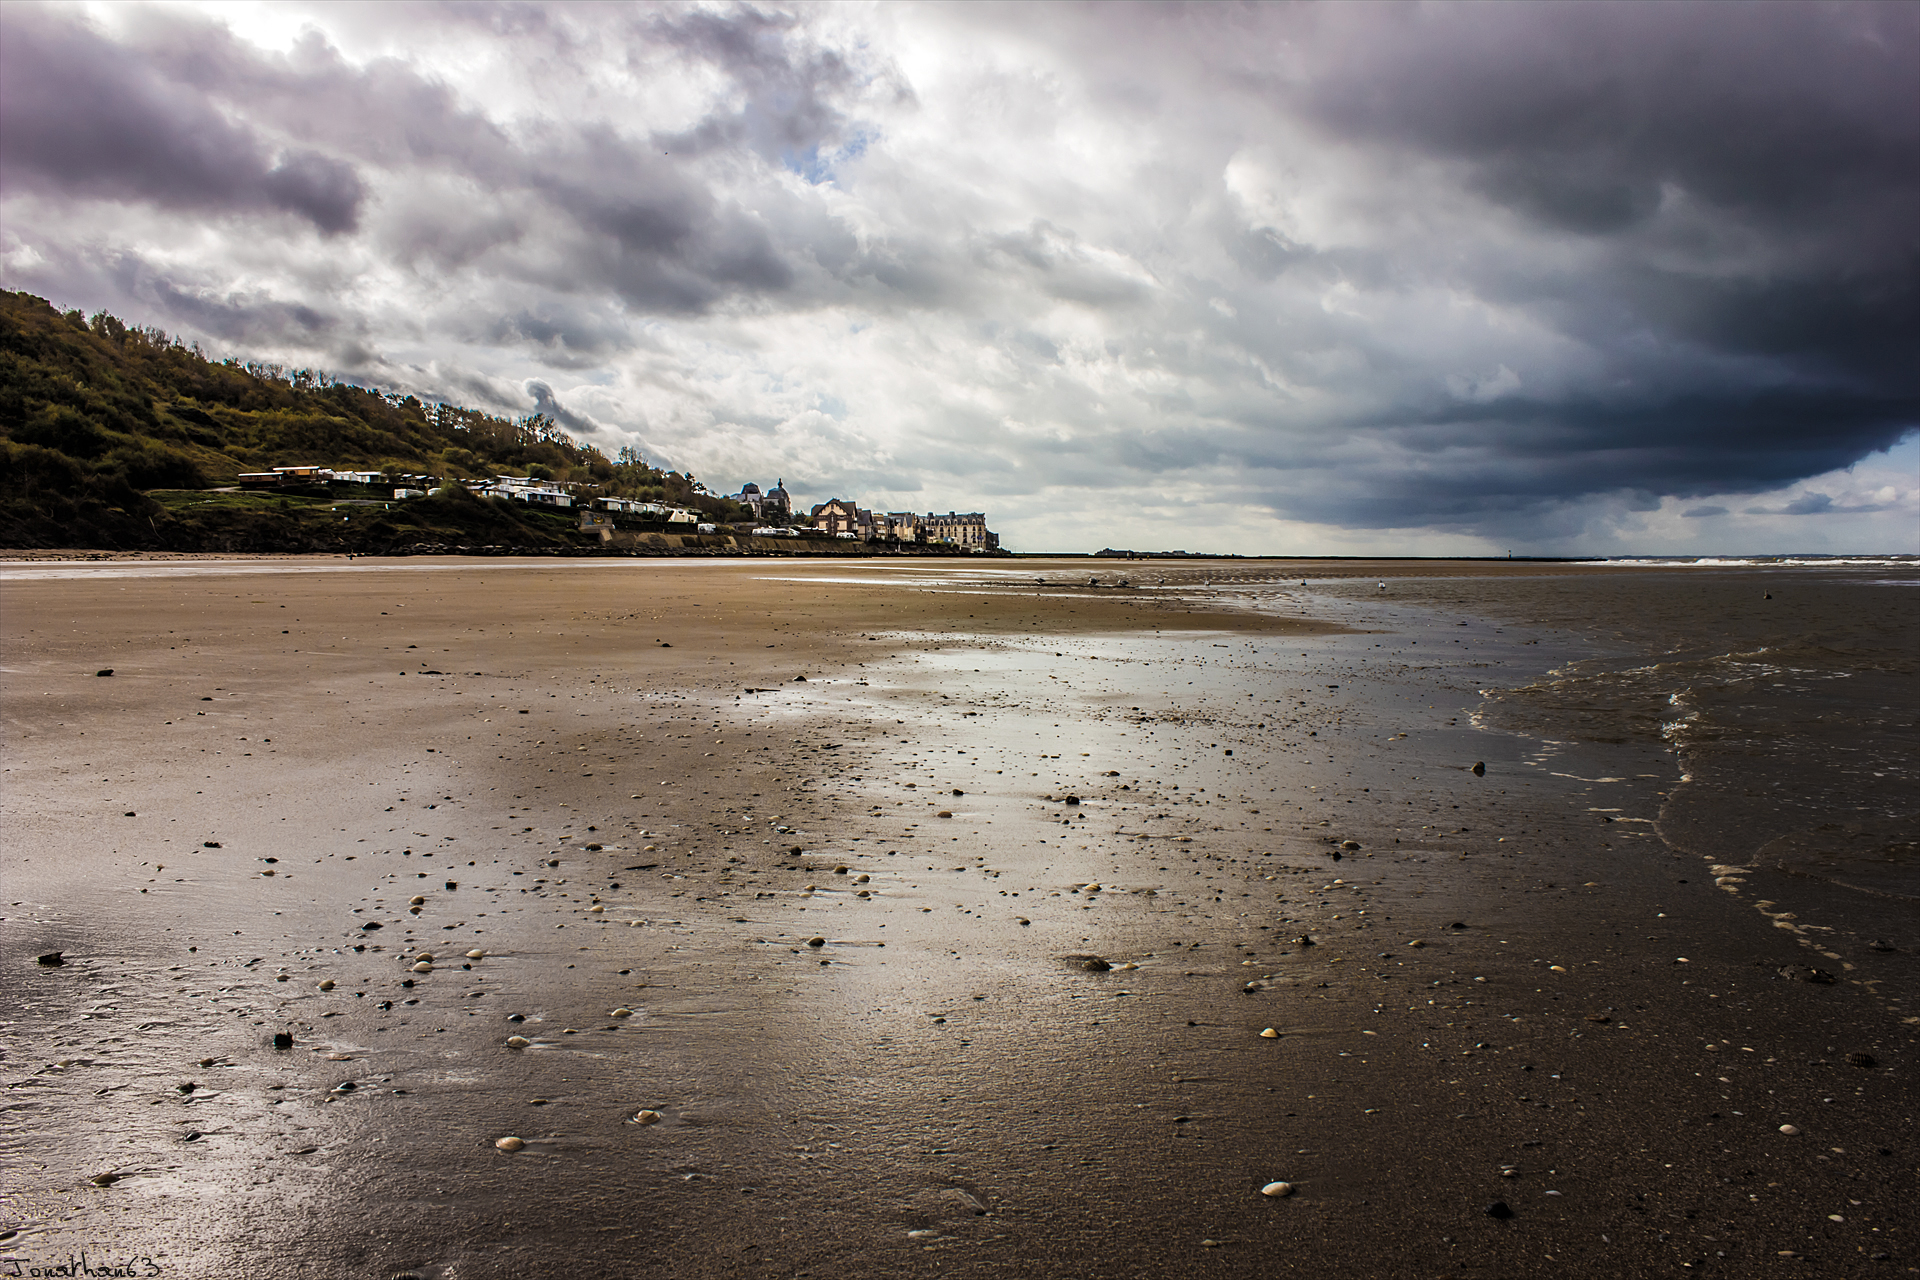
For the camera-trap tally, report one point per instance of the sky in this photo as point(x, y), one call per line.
point(1349, 279)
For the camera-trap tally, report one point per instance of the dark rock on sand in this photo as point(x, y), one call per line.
point(283, 1040)
point(1479, 768)
point(1806, 973)
point(104, 671)
point(1860, 1060)
point(53, 959)
point(1498, 1209)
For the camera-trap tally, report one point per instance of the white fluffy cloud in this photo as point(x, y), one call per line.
point(1342, 279)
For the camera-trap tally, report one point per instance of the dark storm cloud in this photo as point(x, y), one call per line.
point(82, 115)
point(1749, 175)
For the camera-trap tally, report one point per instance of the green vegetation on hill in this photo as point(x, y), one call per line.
point(108, 432)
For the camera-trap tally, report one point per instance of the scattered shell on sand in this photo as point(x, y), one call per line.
point(1418, 942)
point(1790, 1130)
point(326, 984)
point(518, 1042)
point(509, 1143)
point(863, 894)
point(476, 954)
point(1277, 1189)
point(426, 956)
point(417, 901)
point(597, 909)
point(1269, 1034)
point(648, 1117)
point(863, 878)
point(422, 967)
point(621, 1012)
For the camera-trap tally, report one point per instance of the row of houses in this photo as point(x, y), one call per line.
point(772, 509)
point(306, 476)
point(845, 519)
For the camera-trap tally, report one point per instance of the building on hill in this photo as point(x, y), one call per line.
point(526, 489)
point(749, 497)
point(775, 506)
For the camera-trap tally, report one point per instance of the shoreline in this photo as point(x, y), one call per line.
point(968, 1098)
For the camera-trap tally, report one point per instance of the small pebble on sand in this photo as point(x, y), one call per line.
point(1791, 1130)
point(1277, 1189)
point(509, 1143)
point(518, 1042)
point(417, 901)
point(647, 1117)
point(816, 942)
point(326, 984)
point(622, 1012)
point(476, 954)
point(422, 967)
point(1269, 1034)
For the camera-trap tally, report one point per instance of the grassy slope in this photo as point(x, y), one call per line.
point(109, 434)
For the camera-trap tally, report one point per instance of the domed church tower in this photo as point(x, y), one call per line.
point(777, 506)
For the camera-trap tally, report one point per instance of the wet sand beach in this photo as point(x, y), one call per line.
point(857, 919)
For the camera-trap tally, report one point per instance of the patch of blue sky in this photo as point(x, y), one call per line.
point(818, 166)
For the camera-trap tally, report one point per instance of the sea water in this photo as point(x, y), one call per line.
point(1784, 693)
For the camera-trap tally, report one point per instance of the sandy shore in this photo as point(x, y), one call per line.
point(935, 913)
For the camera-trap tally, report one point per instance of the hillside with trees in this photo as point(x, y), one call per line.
point(121, 437)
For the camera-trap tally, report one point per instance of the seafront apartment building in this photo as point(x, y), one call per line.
point(967, 529)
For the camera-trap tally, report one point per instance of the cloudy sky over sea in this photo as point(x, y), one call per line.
point(1345, 279)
